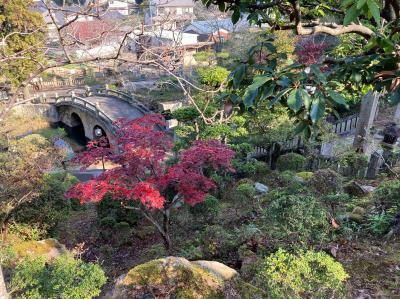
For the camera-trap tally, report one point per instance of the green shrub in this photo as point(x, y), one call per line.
point(217, 241)
point(335, 199)
point(207, 210)
point(122, 233)
point(379, 224)
point(106, 251)
point(245, 192)
point(112, 208)
point(387, 197)
point(286, 177)
point(156, 251)
point(52, 133)
point(242, 149)
point(291, 161)
point(250, 168)
point(353, 162)
point(204, 56)
point(326, 181)
point(50, 207)
point(108, 222)
point(305, 175)
point(308, 274)
point(295, 220)
point(213, 76)
point(185, 114)
point(65, 277)
point(27, 232)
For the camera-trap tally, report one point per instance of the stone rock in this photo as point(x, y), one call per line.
point(359, 210)
point(218, 269)
point(261, 188)
point(49, 248)
point(298, 179)
point(368, 189)
point(355, 189)
point(356, 217)
point(174, 277)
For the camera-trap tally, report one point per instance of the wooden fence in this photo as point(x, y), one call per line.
point(346, 125)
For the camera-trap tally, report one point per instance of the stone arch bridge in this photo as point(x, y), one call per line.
point(92, 111)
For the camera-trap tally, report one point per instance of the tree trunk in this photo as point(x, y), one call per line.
point(3, 289)
point(166, 226)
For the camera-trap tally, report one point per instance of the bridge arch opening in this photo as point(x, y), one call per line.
point(77, 131)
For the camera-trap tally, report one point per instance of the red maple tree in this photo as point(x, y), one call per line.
point(143, 173)
point(310, 51)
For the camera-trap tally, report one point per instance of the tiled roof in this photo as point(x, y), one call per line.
point(89, 30)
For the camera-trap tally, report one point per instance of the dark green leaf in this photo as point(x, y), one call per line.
point(294, 100)
point(249, 97)
point(351, 15)
point(361, 3)
point(259, 80)
point(306, 98)
point(346, 3)
point(267, 91)
point(300, 127)
point(236, 15)
point(356, 76)
point(317, 109)
point(318, 74)
point(238, 75)
point(278, 97)
point(234, 98)
point(339, 99)
point(293, 66)
point(374, 9)
point(284, 82)
point(270, 47)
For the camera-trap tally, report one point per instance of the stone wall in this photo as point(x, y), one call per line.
point(47, 111)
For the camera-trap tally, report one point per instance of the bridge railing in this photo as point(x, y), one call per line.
point(125, 97)
point(78, 101)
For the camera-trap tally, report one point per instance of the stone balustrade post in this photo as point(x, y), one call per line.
point(97, 106)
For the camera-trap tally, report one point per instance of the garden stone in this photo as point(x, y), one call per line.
point(217, 268)
point(359, 211)
point(48, 248)
point(298, 179)
point(355, 189)
point(368, 189)
point(261, 188)
point(176, 277)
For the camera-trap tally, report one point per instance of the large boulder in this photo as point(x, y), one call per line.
point(175, 276)
point(355, 189)
point(48, 248)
